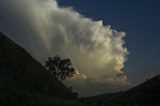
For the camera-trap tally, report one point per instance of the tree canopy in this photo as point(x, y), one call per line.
point(61, 68)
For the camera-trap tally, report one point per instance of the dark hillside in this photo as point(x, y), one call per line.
point(145, 94)
point(23, 80)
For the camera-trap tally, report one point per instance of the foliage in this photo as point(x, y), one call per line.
point(61, 68)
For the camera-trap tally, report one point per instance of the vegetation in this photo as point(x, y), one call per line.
point(25, 82)
point(61, 68)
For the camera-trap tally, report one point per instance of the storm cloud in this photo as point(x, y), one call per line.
point(46, 29)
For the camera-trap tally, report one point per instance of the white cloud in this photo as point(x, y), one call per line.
point(45, 29)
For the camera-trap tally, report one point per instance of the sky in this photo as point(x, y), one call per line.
point(140, 19)
point(112, 44)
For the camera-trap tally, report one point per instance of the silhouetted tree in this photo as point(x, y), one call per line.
point(61, 68)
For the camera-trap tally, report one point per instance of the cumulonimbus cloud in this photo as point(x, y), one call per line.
point(46, 29)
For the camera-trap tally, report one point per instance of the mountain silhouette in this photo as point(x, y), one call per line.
point(25, 82)
point(145, 94)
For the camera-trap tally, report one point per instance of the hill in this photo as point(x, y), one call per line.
point(25, 82)
point(145, 94)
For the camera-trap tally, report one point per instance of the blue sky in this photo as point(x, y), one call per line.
point(140, 19)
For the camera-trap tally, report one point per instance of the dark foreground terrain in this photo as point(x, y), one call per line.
point(25, 82)
point(145, 94)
